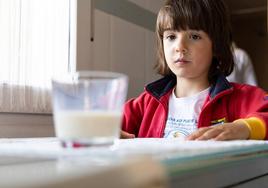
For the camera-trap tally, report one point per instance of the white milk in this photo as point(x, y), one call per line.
point(88, 124)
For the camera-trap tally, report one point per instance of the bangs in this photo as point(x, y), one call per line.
point(183, 17)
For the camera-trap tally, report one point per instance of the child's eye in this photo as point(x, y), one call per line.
point(195, 37)
point(171, 37)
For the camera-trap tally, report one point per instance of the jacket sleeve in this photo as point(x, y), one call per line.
point(252, 102)
point(133, 114)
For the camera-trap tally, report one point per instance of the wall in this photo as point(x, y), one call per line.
point(25, 125)
point(121, 43)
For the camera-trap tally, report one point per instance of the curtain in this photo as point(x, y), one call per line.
point(34, 47)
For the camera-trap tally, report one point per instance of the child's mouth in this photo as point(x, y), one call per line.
point(181, 61)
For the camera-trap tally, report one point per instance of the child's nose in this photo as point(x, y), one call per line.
point(181, 45)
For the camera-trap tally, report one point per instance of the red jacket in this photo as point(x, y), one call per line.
point(146, 115)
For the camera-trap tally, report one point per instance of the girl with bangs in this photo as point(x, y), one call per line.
point(193, 100)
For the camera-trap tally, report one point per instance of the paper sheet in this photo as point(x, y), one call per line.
point(51, 148)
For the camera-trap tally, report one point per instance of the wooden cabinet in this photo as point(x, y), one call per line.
point(249, 21)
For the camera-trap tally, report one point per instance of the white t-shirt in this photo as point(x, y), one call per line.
point(183, 114)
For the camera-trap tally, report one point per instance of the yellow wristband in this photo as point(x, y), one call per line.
point(256, 126)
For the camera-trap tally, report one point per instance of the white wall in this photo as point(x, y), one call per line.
point(119, 45)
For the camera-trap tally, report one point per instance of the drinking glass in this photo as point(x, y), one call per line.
point(87, 107)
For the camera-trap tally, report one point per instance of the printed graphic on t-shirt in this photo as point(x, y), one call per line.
point(183, 114)
point(179, 128)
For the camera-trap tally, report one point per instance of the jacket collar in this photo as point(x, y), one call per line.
point(220, 85)
point(162, 86)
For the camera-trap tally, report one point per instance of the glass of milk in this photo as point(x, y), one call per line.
point(87, 107)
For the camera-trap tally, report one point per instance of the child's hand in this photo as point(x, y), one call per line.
point(125, 135)
point(226, 131)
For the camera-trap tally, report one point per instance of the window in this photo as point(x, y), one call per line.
point(35, 45)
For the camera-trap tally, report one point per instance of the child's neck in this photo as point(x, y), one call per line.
point(189, 87)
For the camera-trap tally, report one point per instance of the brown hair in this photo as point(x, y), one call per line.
point(212, 17)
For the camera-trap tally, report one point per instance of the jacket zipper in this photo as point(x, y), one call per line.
point(216, 98)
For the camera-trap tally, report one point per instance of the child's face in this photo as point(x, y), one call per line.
point(188, 53)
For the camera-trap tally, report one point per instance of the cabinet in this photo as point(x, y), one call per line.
point(119, 44)
point(249, 22)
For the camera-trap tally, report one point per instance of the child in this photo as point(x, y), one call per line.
point(194, 100)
